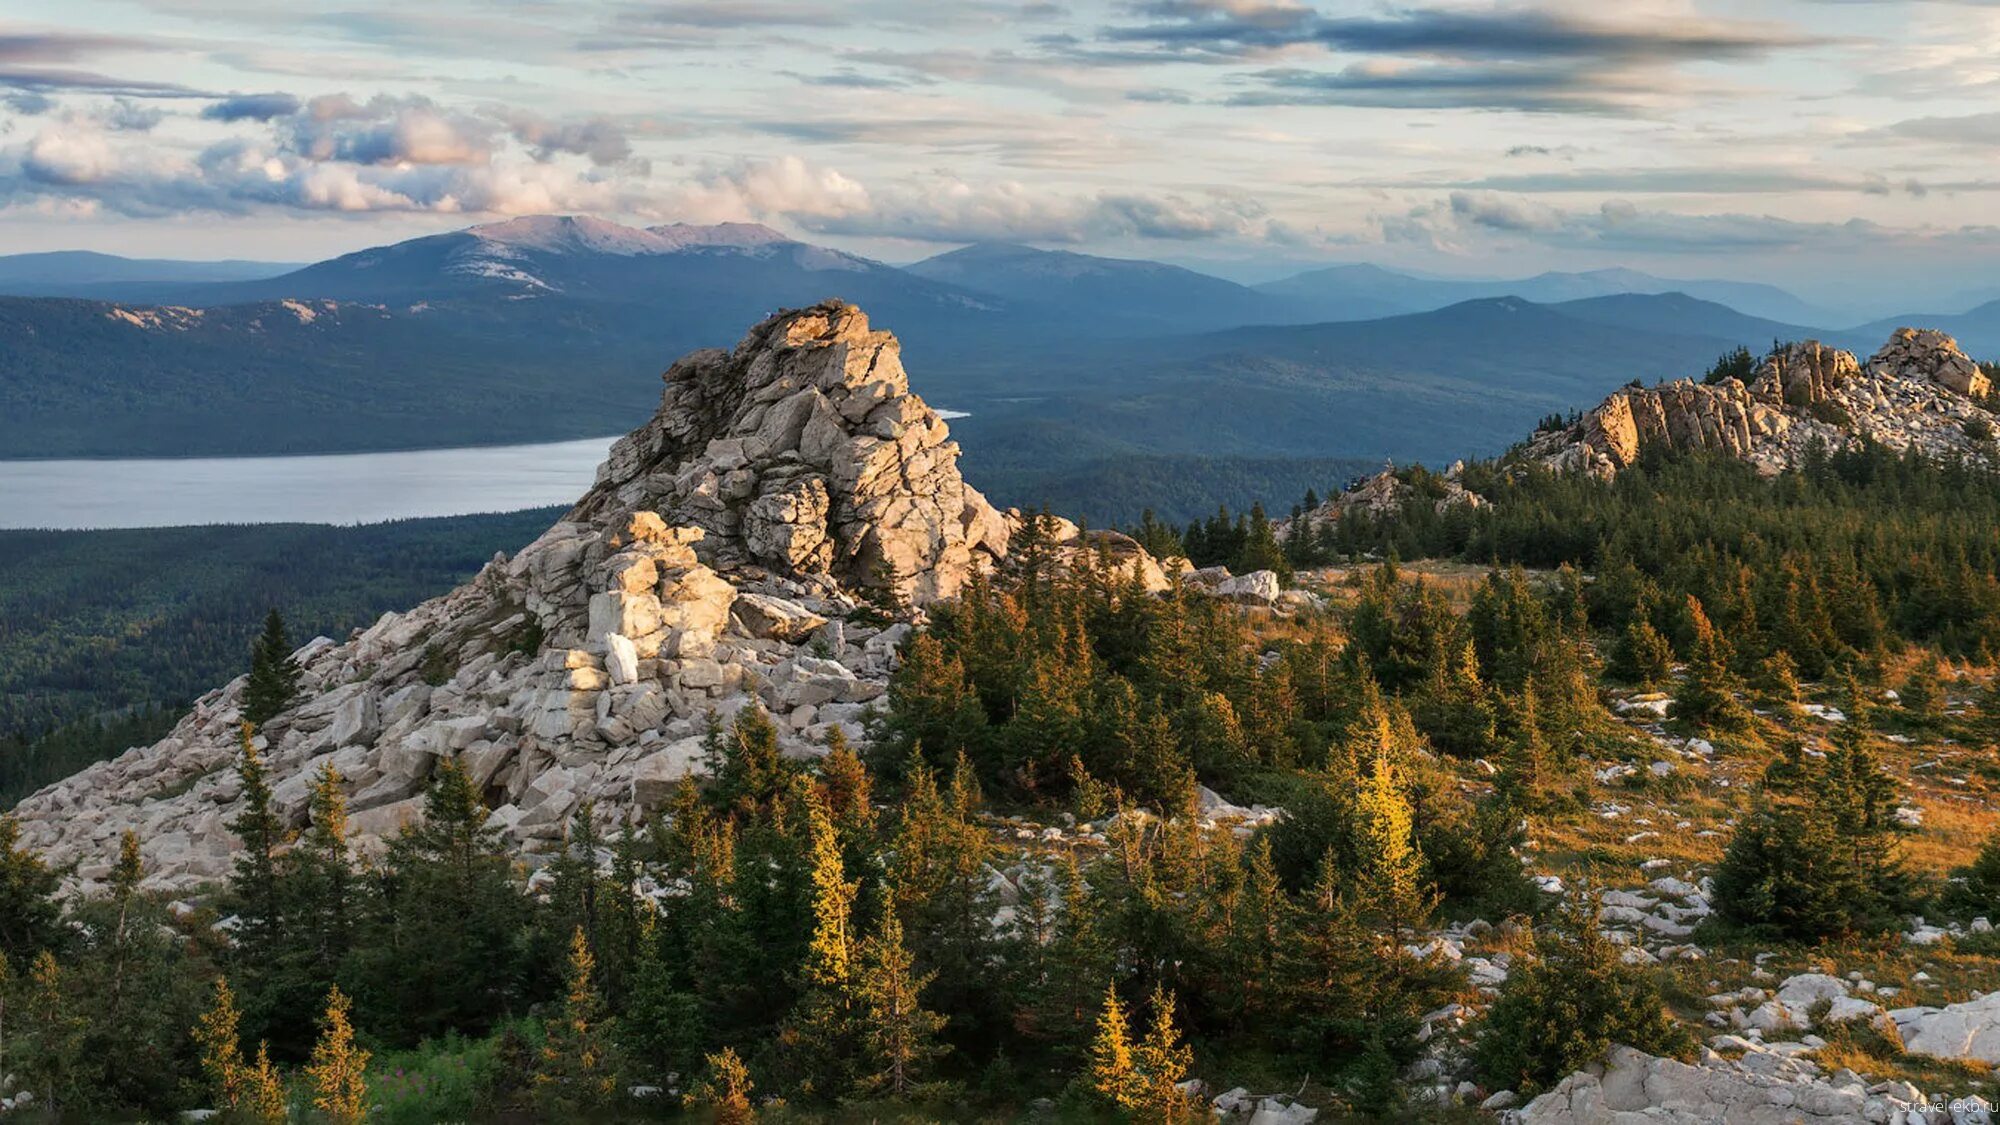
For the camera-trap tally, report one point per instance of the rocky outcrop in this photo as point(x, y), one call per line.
point(1384, 495)
point(1927, 354)
point(1919, 392)
point(1801, 374)
point(717, 565)
point(1634, 1088)
point(804, 452)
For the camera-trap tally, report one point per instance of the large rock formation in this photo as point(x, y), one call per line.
point(718, 564)
point(1919, 390)
point(804, 451)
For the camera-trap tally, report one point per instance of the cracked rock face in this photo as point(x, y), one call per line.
point(1919, 392)
point(715, 566)
point(804, 452)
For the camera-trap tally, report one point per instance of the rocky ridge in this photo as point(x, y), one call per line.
point(736, 551)
point(1918, 391)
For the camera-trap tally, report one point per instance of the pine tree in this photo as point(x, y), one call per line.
point(724, 1089)
point(215, 1036)
point(274, 675)
point(577, 1077)
point(338, 1069)
point(900, 1037)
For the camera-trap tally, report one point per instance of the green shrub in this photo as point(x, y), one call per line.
point(1570, 1004)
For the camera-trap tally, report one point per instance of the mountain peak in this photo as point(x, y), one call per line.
point(569, 234)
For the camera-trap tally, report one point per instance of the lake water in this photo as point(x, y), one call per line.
point(340, 488)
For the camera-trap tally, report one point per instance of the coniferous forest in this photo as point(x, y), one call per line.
point(1023, 896)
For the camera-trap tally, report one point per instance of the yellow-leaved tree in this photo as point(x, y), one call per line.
point(339, 1067)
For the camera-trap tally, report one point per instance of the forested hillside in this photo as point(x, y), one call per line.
point(1028, 887)
point(126, 627)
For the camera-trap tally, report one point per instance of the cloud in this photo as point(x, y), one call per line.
point(1977, 130)
point(387, 130)
point(26, 58)
point(128, 116)
point(946, 209)
point(253, 107)
point(1681, 181)
point(600, 140)
point(28, 105)
point(1466, 221)
point(1512, 56)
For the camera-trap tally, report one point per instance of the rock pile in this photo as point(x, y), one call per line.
point(721, 562)
point(1918, 391)
point(1760, 1088)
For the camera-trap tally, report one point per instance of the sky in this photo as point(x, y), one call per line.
point(1835, 147)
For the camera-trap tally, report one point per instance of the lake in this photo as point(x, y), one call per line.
point(322, 488)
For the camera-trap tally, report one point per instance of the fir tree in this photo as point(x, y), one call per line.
point(1922, 693)
point(338, 1069)
point(1643, 656)
point(274, 675)
point(1569, 1004)
point(254, 881)
point(29, 913)
point(1708, 698)
point(900, 1037)
point(820, 1034)
point(577, 1077)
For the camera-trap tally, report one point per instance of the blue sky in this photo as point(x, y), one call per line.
point(1833, 146)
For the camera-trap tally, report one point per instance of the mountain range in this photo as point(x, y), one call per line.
point(1071, 365)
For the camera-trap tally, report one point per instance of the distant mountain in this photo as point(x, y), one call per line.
point(1333, 290)
point(1978, 331)
point(1680, 314)
point(1112, 292)
point(72, 273)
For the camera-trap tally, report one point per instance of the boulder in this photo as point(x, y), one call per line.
point(1970, 1030)
point(1259, 587)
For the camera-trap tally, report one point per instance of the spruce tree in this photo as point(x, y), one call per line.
point(577, 1078)
point(1708, 698)
point(29, 914)
point(254, 880)
point(51, 1050)
point(1569, 1004)
point(899, 1036)
point(274, 675)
